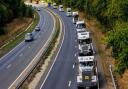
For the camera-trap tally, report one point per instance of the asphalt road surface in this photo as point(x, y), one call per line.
point(63, 72)
point(13, 63)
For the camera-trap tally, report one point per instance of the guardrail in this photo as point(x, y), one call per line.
point(22, 77)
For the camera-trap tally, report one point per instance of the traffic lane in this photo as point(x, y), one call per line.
point(5, 60)
point(72, 74)
point(11, 56)
point(24, 60)
point(60, 73)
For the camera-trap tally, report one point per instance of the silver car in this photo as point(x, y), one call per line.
point(28, 37)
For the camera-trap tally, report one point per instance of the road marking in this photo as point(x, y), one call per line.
point(69, 83)
point(75, 54)
point(21, 54)
point(75, 46)
point(8, 66)
point(57, 53)
point(73, 66)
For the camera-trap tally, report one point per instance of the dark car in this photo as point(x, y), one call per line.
point(37, 29)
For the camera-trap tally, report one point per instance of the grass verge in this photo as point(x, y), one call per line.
point(15, 41)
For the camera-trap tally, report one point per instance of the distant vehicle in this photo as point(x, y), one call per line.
point(80, 24)
point(43, 1)
point(38, 9)
point(49, 4)
point(37, 28)
point(61, 9)
point(54, 6)
point(28, 37)
point(87, 75)
point(75, 16)
point(69, 13)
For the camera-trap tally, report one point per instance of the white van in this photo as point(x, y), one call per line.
point(69, 13)
point(61, 8)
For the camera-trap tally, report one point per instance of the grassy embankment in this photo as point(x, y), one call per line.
point(15, 33)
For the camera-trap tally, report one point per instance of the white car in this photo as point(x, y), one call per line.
point(28, 37)
point(61, 9)
point(69, 13)
point(37, 28)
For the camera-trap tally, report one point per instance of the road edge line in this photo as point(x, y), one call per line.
point(60, 19)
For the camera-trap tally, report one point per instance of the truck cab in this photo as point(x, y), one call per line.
point(84, 37)
point(85, 50)
point(87, 72)
point(69, 13)
point(61, 9)
point(85, 44)
point(75, 16)
point(80, 24)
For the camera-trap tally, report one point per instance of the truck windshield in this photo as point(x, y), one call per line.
point(90, 63)
point(85, 41)
point(80, 26)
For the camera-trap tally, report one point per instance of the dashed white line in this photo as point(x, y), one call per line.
point(8, 66)
point(73, 66)
point(21, 54)
point(69, 83)
point(75, 46)
point(75, 54)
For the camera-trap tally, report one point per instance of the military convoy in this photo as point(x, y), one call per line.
point(87, 75)
point(86, 63)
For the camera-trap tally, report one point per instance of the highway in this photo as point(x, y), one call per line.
point(63, 72)
point(14, 62)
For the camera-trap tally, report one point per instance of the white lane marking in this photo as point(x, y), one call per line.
point(9, 66)
point(75, 46)
point(57, 53)
point(75, 54)
point(69, 83)
point(21, 54)
point(73, 66)
point(39, 36)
